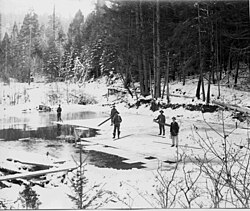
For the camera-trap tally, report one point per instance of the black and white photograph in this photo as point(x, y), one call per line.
point(124, 104)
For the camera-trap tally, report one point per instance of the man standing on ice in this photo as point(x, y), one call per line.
point(161, 120)
point(174, 130)
point(117, 121)
point(112, 114)
point(59, 112)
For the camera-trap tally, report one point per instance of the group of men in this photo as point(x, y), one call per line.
point(161, 120)
point(174, 128)
point(116, 121)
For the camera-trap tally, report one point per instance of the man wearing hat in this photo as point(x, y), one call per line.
point(117, 121)
point(112, 114)
point(161, 119)
point(59, 113)
point(174, 130)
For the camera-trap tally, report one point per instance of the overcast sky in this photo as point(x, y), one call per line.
point(63, 7)
point(15, 10)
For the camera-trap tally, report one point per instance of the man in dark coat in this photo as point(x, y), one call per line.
point(161, 119)
point(174, 130)
point(112, 113)
point(59, 112)
point(117, 121)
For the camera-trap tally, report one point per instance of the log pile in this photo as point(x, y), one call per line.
point(232, 107)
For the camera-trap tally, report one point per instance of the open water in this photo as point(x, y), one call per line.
point(35, 133)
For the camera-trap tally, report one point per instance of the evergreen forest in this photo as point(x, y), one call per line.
point(148, 42)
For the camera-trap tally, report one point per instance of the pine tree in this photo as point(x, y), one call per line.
point(5, 57)
point(29, 198)
point(54, 39)
point(51, 60)
point(14, 51)
point(75, 40)
point(28, 46)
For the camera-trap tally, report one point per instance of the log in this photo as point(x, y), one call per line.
point(185, 96)
point(36, 173)
point(232, 107)
point(36, 164)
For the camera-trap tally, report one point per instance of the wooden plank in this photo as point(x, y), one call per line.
point(36, 173)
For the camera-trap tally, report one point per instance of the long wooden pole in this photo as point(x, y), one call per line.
point(104, 121)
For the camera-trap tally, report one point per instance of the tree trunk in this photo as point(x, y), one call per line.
point(144, 63)
point(145, 71)
point(229, 70)
point(200, 82)
point(128, 78)
point(154, 52)
point(166, 80)
point(158, 71)
point(248, 62)
point(133, 84)
point(217, 62)
point(29, 57)
point(150, 80)
point(208, 88)
point(211, 59)
point(139, 57)
point(237, 71)
point(183, 71)
point(198, 88)
point(213, 56)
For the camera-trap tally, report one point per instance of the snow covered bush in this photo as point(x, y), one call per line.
point(86, 99)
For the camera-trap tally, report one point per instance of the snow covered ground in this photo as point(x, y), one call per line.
point(139, 144)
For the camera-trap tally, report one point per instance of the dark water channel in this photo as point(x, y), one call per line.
point(37, 134)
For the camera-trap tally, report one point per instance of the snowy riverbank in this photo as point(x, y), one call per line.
point(139, 144)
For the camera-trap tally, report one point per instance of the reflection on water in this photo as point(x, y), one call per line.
point(59, 130)
point(39, 125)
point(50, 133)
point(36, 134)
